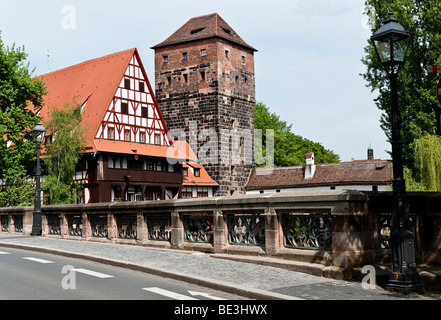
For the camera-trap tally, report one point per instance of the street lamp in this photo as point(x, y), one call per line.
point(38, 133)
point(391, 42)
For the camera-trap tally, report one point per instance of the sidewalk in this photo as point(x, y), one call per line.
point(251, 277)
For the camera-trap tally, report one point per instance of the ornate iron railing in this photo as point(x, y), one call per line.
point(18, 223)
point(126, 227)
point(5, 223)
point(199, 228)
point(98, 226)
point(307, 231)
point(246, 230)
point(384, 226)
point(384, 229)
point(159, 228)
point(75, 224)
point(54, 224)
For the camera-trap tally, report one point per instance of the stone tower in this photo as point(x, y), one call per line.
point(204, 85)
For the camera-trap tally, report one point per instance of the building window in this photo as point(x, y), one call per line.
point(127, 135)
point(126, 83)
point(227, 54)
point(142, 137)
point(184, 56)
point(159, 165)
point(197, 172)
point(203, 52)
point(141, 87)
point(110, 133)
point(185, 77)
point(168, 81)
point(144, 112)
point(165, 59)
point(149, 165)
point(243, 59)
point(125, 108)
point(202, 192)
point(157, 139)
point(202, 73)
point(185, 172)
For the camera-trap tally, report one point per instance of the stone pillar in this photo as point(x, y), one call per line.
point(27, 221)
point(220, 232)
point(141, 228)
point(112, 229)
point(64, 227)
point(177, 231)
point(86, 230)
point(273, 234)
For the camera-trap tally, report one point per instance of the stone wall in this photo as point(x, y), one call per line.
point(333, 228)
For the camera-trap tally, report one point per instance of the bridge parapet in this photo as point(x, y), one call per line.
point(340, 228)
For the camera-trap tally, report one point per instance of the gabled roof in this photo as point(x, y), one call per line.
point(359, 172)
point(204, 180)
point(93, 82)
point(204, 27)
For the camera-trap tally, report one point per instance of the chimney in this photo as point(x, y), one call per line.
point(370, 153)
point(310, 166)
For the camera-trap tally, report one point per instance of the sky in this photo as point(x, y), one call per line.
point(307, 67)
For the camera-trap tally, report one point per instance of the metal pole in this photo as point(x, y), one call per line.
point(36, 225)
point(404, 276)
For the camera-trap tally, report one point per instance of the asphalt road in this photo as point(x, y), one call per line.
point(30, 275)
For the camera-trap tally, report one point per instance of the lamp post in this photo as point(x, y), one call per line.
point(391, 42)
point(38, 132)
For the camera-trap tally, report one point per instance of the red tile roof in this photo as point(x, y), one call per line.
point(204, 27)
point(359, 172)
point(94, 81)
point(204, 180)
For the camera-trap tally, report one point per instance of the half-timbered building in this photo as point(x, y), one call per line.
point(128, 154)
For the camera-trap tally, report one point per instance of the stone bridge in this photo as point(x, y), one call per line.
point(345, 229)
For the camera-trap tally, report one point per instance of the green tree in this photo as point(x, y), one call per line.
point(417, 100)
point(428, 162)
point(289, 149)
point(21, 96)
point(62, 152)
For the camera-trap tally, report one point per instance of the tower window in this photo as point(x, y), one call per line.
point(165, 59)
point(141, 87)
point(184, 55)
point(185, 77)
point(168, 81)
point(227, 54)
point(203, 52)
point(127, 83)
point(243, 59)
point(202, 73)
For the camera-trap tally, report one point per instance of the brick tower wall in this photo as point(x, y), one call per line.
point(216, 92)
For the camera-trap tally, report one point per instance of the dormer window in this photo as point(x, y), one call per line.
point(194, 31)
point(197, 172)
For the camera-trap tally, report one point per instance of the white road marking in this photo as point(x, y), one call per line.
point(93, 273)
point(169, 294)
point(206, 295)
point(2, 252)
point(38, 260)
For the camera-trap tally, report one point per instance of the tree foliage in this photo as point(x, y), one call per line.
point(416, 87)
point(62, 152)
point(428, 162)
point(289, 149)
point(20, 97)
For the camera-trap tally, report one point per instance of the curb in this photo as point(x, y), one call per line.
point(250, 293)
